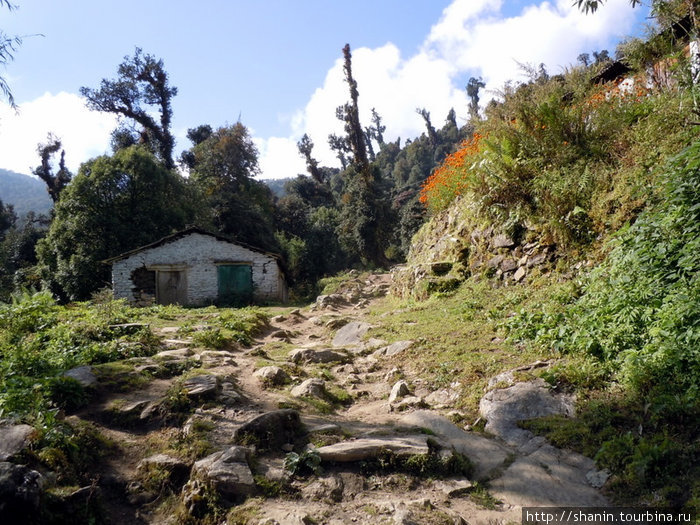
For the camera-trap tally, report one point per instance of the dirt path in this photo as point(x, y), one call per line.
point(327, 344)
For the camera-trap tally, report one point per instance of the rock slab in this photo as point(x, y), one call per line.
point(351, 334)
point(228, 472)
point(369, 448)
point(503, 408)
point(15, 438)
point(271, 430)
point(83, 375)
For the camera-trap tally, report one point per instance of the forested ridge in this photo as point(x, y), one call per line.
point(552, 240)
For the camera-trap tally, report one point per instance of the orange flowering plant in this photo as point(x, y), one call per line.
point(449, 180)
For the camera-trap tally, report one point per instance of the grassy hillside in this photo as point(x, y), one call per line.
point(24, 193)
point(599, 183)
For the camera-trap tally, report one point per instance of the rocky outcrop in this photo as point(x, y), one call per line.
point(450, 248)
point(504, 408)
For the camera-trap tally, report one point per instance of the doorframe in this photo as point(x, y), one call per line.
point(158, 268)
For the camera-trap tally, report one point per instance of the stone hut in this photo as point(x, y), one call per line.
point(195, 267)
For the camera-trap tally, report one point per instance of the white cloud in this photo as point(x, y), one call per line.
point(472, 38)
point(549, 33)
point(279, 158)
point(84, 133)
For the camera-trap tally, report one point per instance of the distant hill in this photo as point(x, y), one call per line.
point(25, 193)
point(277, 185)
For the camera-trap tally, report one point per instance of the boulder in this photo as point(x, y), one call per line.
point(508, 265)
point(20, 492)
point(351, 334)
point(310, 388)
point(271, 430)
point(394, 348)
point(536, 260)
point(177, 469)
point(502, 241)
point(83, 375)
point(520, 273)
point(399, 390)
point(15, 438)
point(201, 386)
point(227, 471)
point(310, 355)
point(271, 375)
point(364, 449)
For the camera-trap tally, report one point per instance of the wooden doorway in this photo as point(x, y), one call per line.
point(171, 287)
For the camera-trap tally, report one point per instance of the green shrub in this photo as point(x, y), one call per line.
point(307, 462)
point(642, 307)
point(211, 338)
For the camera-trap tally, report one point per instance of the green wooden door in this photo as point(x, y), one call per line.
point(235, 284)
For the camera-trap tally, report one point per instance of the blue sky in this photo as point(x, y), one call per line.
point(276, 63)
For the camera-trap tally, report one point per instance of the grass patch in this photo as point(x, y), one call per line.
point(434, 464)
point(460, 337)
point(330, 285)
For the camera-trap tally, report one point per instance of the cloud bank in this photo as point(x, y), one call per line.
point(471, 38)
point(84, 133)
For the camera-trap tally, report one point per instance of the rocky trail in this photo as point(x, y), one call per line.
point(368, 443)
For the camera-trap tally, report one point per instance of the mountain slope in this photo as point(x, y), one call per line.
point(25, 193)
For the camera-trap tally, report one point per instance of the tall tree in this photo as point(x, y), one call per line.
point(223, 168)
point(341, 147)
point(351, 110)
point(363, 211)
point(114, 204)
point(377, 128)
point(55, 182)
point(473, 87)
point(142, 83)
point(306, 147)
point(432, 134)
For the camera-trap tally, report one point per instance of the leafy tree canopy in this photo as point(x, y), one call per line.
point(142, 83)
point(113, 205)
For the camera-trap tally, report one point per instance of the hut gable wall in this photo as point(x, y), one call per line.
point(199, 255)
